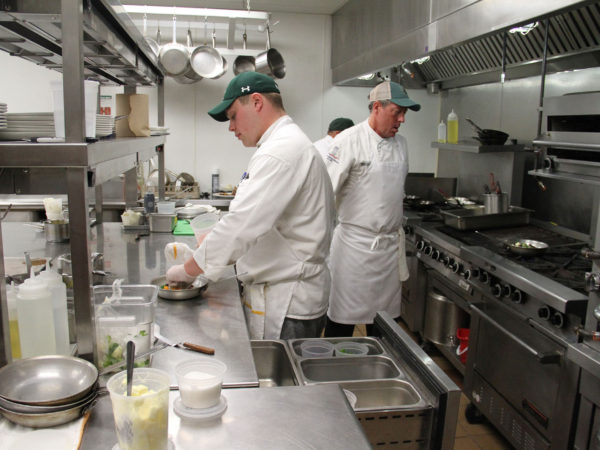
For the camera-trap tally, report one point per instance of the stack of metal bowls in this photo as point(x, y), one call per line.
point(45, 391)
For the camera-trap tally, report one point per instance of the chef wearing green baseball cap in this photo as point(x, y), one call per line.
point(336, 126)
point(279, 224)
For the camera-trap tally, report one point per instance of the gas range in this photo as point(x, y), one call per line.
point(546, 290)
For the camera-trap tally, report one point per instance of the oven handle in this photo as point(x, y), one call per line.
point(543, 358)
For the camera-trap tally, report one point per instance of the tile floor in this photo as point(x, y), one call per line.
point(468, 437)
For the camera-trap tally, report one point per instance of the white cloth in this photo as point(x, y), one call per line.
point(368, 174)
point(279, 227)
point(322, 146)
point(177, 253)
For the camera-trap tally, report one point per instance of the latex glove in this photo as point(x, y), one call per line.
point(178, 273)
point(177, 253)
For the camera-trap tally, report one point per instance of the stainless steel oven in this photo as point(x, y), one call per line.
point(520, 371)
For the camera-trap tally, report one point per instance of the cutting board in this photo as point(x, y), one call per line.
point(183, 228)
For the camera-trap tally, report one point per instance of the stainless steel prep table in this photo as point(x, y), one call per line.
point(271, 418)
point(215, 319)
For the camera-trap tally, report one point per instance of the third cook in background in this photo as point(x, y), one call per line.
point(279, 224)
point(336, 126)
point(368, 164)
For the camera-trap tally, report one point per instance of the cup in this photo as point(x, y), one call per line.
point(200, 382)
point(142, 419)
point(316, 348)
point(351, 349)
point(165, 207)
point(495, 203)
point(202, 225)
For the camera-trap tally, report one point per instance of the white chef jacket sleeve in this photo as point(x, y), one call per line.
point(339, 162)
point(260, 201)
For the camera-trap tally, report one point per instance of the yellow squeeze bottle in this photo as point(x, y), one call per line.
point(452, 128)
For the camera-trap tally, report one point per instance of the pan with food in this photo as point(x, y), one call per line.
point(176, 291)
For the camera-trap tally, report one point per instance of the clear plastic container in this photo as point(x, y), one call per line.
point(58, 289)
point(202, 225)
point(91, 103)
point(124, 318)
point(442, 132)
point(351, 349)
point(316, 348)
point(35, 312)
point(200, 382)
point(165, 207)
point(142, 419)
point(13, 321)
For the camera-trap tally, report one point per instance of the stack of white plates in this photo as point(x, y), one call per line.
point(105, 125)
point(157, 131)
point(28, 125)
point(3, 109)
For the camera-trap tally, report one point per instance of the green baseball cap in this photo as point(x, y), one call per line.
point(340, 124)
point(388, 90)
point(243, 84)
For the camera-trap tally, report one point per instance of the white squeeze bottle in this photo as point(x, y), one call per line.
point(13, 320)
point(452, 128)
point(58, 290)
point(36, 318)
point(442, 132)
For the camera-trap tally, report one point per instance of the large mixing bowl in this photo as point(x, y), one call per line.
point(47, 380)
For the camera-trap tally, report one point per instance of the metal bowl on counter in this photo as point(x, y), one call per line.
point(168, 293)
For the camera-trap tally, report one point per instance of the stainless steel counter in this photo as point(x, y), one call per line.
point(215, 319)
point(308, 417)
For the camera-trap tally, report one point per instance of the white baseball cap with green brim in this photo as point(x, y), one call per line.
point(245, 83)
point(394, 92)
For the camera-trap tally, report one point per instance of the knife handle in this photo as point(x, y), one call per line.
point(199, 348)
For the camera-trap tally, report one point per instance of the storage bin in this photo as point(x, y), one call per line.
point(442, 319)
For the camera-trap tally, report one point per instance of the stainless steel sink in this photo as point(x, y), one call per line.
point(383, 394)
point(321, 370)
point(273, 364)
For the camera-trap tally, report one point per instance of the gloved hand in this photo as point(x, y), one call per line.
point(177, 253)
point(178, 273)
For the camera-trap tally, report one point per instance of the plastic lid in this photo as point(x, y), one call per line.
point(200, 414)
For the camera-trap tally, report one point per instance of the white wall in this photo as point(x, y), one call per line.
point(197, 143)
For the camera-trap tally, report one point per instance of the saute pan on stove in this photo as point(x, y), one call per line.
point(527, 247)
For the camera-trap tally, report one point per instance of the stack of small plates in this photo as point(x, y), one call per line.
point(3, 109)
point(105, 125)
point(28, 125)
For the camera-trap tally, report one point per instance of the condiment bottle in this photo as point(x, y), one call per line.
point(13, 320)
point(452, 128)
point(442, 132)
point(215, 181)
point(58, 290)
point(34, 308)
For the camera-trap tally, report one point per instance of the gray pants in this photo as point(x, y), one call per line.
point(300, 329)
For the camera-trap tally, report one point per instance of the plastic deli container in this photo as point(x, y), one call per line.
point(351, 349)
point(316, 349)
point(200, 382)
point(202, 225)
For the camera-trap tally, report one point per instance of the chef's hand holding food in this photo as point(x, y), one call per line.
point(178, 273)
point(177, 253)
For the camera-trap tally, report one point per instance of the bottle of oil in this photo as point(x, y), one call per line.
point(452, 128)
point(13, 322)
point(442, 132)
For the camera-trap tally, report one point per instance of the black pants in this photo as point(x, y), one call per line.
point(335, 329)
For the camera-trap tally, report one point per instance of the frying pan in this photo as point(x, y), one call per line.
point(190, 76)
point(527, 247)
point(270, 62)
point(174, 57)
point(487, 136)
point(206, 61)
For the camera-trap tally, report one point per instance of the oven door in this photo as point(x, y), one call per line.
point(520, 378)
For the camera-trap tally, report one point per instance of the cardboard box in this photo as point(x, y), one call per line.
point(136, 107)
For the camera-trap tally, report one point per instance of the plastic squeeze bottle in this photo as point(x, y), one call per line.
point(58, 290)
point(13, 320)
point(442, 132)
point(452, 128)
point(34, 308)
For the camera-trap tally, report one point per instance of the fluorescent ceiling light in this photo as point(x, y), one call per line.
point(524, 29)
point(197, 12)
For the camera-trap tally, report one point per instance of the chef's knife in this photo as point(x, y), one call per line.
point(185, 345)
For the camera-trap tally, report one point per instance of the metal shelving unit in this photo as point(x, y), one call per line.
point(83, 39)
point(476, 147)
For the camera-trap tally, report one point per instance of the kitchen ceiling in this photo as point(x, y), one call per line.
point(274, 6)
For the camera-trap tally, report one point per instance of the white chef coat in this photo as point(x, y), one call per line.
point(322, 146)
point(368, 174)
point(278, 231)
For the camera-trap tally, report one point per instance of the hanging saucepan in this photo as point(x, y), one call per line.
point(270, 62)
point(225, 64)
point(489, 137)
point(154, 45)
point(206, 61)
point(174, 57)
point(190, 76)
point(244, 63)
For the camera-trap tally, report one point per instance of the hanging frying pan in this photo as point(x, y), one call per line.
point(244, 63)
point(190, 76)
point(206, 61)
point(225, 64)
point(270, 62)
point(154, 45)
point(174, 57)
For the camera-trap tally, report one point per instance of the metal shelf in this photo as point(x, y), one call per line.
point(566, 176)
point(476, 147)
point(113, 48)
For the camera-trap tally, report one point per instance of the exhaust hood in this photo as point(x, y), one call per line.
point(513, 49)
